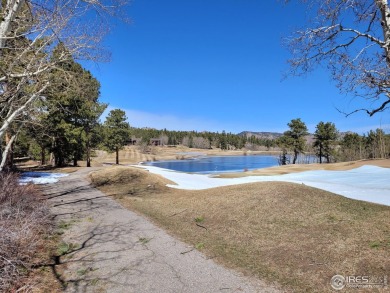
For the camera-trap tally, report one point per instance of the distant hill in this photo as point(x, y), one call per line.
point(261, 135)
point(271, 135)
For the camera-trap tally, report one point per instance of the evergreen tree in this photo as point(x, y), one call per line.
point(284, 142)
point(295, 137)
point(71, 110)
point(223, 141)
point(325, 136)
point(352, 147)
point(117, 131)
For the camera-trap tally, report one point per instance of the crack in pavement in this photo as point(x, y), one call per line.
point(109, 255)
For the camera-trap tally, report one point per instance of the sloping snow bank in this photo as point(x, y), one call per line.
point(40, 177)
point(368, 183)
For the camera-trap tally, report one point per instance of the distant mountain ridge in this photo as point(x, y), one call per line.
point(261, 135)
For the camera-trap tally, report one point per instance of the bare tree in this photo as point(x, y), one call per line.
point(201, 142)
point(164, 139)
point(352, 38)
point(29, 32)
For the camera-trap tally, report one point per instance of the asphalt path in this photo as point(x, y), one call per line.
point(107, 248)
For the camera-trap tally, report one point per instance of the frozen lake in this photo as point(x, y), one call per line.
point(209, 165)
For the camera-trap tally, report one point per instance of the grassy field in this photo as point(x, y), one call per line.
point(291, 234)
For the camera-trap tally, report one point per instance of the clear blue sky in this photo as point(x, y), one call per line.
point(217, 65)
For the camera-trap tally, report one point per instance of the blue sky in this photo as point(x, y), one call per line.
point(217, 65)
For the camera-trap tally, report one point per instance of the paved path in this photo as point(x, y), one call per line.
point(116, 250)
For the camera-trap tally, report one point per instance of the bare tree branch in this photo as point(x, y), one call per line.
point(352, 38)
point(30, 30)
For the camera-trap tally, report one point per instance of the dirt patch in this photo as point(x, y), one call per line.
point(287, 233)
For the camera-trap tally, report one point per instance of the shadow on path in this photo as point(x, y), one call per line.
point(107, 248)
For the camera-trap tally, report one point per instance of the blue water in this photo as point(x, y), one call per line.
point(207, 165)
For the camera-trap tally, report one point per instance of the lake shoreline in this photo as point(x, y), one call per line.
point(203, 164)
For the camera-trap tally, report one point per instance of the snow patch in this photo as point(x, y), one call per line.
point(368, 183)
point(40, 177)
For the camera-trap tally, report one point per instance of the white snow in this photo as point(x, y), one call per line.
point(40, 177)
point(368, 183)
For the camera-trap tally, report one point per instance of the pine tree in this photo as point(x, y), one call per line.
point(295, 137)
point(117, 131)
point(71, 110)
point(325, 136)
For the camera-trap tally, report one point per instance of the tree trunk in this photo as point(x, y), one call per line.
point(283, 158)
point(53, 157)
point(382, 146)
point(88, 153)
point(59, 160)
point(295, 157)
point(4, 164)
point(74, 161)
point(7, 122)
point(385, 17)
point(9, 160)
point(117, 156)
point(320, 154)
point(43, 156)
point(7, 19)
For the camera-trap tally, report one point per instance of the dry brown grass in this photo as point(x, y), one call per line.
point(119, 181)
point(287, 233)
point(24, 238)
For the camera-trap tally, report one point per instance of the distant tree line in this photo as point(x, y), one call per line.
point(67, 129)
point(69, 133)
point(201, 140)
point(329, 145)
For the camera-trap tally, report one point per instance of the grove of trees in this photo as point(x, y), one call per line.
point(203, 140)
point(63, 122)
point(328, 144)
point(72, 135)
point(39, 40)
